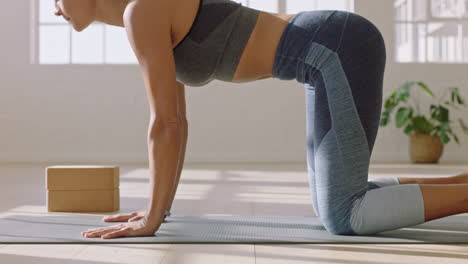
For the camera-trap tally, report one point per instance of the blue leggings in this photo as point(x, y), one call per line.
point(340, 58)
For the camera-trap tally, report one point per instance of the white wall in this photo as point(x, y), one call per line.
point(99, 114)
point(392, 144)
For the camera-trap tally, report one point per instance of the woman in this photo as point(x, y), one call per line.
point(339, 57)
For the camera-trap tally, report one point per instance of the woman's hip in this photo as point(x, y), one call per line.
point(314, 38)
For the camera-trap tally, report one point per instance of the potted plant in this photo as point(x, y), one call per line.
point(428, 134)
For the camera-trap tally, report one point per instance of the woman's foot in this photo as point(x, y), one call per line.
point(462, 177)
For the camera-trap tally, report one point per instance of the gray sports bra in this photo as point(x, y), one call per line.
point(213, 46)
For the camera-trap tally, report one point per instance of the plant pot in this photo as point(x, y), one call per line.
point(425, 148)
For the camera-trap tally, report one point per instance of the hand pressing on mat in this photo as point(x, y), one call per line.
point(133, 216)
point(135, 228)
point(130, 217)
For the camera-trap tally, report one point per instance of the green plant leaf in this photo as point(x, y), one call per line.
point(454, 137)
point(422, 125)
point(444, 114)
point(402, 116)
point(404, 91)
point(462, 124)
point(391, 101)
point(435, 112)
point(451, 105)
point(408, 129)
point(385, 117)
point(444, 127)
point(425, 88)
point(460, 100)
point(444, 138)
point(456, 95)
point(390, 104)
point(383, 120)
point(439, 113)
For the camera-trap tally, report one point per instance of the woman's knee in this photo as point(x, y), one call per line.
point(336, 227)
point(336, 219)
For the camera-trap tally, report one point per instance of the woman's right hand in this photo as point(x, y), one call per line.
point(130, 217)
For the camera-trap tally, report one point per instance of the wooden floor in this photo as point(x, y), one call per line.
point(221, 189)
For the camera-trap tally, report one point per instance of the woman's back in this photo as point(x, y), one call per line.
point(214, 44)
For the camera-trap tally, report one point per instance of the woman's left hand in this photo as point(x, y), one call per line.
point(131, 229)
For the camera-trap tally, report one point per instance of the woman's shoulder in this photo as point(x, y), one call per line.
point(159, 13)
point(149, 9)
point(148, 27)
point(166, 13)
point(147, 16)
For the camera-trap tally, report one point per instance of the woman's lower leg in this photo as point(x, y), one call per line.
point(454, 179)
point(441, 200)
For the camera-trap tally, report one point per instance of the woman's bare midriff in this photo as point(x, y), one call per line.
point(256, 61)
point(258, 56)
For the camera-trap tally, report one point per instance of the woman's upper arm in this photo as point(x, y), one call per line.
point(148, 29)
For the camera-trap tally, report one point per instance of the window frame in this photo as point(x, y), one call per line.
point(428, 20)
point(34, 44)
point(36, 24)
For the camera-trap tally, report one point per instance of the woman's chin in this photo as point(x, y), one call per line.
point(78, 28)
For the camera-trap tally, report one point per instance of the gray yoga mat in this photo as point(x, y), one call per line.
point(66, 229)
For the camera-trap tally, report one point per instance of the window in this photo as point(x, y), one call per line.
point(431, 31)
point(58, 43)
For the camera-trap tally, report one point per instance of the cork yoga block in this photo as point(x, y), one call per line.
point(82, 188)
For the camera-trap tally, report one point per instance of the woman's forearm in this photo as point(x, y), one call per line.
point(180, 162)
point(164, 146)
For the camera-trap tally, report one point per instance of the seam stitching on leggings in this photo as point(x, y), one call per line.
point(309, 44)
point(321, 141)
point(320, 26)
point(312, 38)
point(342, 32)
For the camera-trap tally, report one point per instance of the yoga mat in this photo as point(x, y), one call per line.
point(66, 229)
